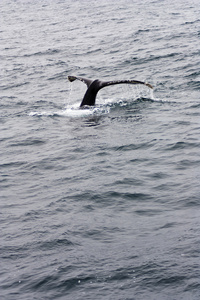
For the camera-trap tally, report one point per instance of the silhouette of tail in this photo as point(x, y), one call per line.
point(95, 85)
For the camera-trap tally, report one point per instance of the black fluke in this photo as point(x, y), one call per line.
point(95, 85)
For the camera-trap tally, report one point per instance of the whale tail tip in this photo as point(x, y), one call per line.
point(71, 78)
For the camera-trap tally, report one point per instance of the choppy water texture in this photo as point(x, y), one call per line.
point(101, 203)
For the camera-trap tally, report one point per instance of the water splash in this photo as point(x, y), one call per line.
point(104, 104)
point(75, 112)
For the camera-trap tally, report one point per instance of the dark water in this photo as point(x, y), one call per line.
point(102, 203)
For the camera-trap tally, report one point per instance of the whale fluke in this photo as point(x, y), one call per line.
point(95, 85)
point(86, 81)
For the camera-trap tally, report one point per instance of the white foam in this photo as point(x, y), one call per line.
point(74, 111)
point(42, 113)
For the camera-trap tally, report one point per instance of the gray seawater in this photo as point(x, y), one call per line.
point(101, 203)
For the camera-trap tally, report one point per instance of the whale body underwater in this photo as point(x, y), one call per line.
point(93, 86)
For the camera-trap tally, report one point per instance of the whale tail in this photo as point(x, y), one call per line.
point(93, 86)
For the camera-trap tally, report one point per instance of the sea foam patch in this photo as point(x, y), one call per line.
point(74, 112)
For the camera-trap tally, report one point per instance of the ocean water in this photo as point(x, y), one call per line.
point(104, 202)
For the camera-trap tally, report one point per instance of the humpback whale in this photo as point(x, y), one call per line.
point(93, 86)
